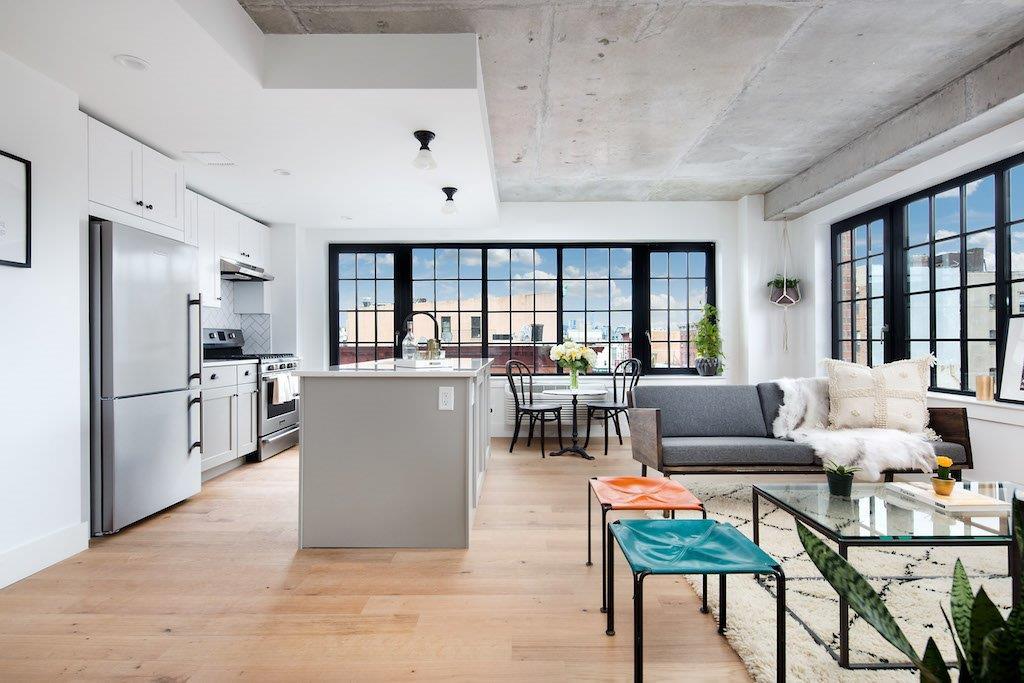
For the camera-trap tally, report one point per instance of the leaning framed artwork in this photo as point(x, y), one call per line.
point(1011, 382)
point(15, 211)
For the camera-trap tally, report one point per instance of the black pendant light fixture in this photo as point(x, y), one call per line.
point(448, 207)
point(424, 159)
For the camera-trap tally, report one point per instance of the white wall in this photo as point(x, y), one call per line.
point(995, 428)
point(43, 333)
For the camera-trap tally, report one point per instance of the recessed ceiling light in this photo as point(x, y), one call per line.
point(282, 171)
point(346, 218)
point(132, 62)
point(210, 158)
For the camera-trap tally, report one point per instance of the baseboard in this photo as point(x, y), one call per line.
point(34, 556)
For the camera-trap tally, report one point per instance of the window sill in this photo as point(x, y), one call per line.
point(497, 380)
point(988, 411)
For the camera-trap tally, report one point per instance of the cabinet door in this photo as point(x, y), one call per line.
point(209, 259)
point(191, 218)
point(115, 169)
point(227, 233)
point(248, 434)
point(220, 426)
point(163, 189)
point(250, 241)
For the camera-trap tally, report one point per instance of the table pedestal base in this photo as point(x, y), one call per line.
point(572, 450)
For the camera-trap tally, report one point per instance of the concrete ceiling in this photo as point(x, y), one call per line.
point(708, 99)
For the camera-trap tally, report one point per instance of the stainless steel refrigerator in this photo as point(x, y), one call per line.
point(146, 371)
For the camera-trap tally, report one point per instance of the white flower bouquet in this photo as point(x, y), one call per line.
point(575, 358)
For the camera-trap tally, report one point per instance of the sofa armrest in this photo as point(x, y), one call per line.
point(951, 425)
point(645, 436)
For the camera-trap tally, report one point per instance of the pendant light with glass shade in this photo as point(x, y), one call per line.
point(448, 206)
point(424, 159)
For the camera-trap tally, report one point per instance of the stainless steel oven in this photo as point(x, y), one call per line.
point(279, 422)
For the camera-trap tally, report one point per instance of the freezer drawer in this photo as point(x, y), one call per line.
point(150, 456)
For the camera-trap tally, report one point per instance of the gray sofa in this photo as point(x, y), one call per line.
point(727, 429)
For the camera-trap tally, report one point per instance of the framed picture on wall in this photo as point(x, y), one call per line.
point(1011, 383)
point(15, 211)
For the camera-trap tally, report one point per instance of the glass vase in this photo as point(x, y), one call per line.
point(574, 379)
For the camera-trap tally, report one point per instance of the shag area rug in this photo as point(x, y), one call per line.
point(914, 582)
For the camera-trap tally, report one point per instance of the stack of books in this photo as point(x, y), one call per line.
point(961, 501)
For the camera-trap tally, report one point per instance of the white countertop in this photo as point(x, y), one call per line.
point(463, 367)
point(219, 363)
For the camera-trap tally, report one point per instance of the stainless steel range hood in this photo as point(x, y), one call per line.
point(232, 269)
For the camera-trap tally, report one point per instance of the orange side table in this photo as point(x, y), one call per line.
point(636, 493)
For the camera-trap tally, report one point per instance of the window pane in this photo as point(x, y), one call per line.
point(522, 328)
point(981, 312)
point(573, 263)
point(597, 295)
point(597, 262)
point(1017, 248)
point(677, 294)
point(981, 360)
point(845, 320)
point(423, 295)
point(447, 293)
point(845, 245)
point(385, 265)
point(597, 327)
point(499, 328)
point(860, 241)
point(916, 218)
point(386, 294)
point(981, 257)
point(860, 320)
point(470, 263)
point(622, 263)
point(1015, 181)
point(346, 265)
point(366, 330)
point(621, 329)
point(678, 325)
point(846, 351)
point(366, 293)
point(422, 263)
point(659, 294)
point(573, 326)
point(845, 279)
point(497, 264)
point(877, 353)
point(698, 293)
point(659, 326)
point(522, 295)
point(947, 263)
point(622, 295)
point(364, 265)
point(947, 367)
point(446, 263)
point(947, 315)
point(386, 327)
point(947, 213)
point(522, 263)
point(347, 294)
point(659, 355)
point(470, 295)
point(876, 241)
point(1017, 298)
point(876, 269)
point(498, 293)
point(572, 295)
point(860, 352)
point(545, 295)
point(877, 317)
point(919, 316)
point(917, 269)
point(346, 326)
point(659, 264)
point(698, 263)
point(981, 203)
point(677, 264)
point(545, 264)
point(546, 327)
point(860, 277)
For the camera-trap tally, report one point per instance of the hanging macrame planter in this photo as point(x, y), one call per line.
point(784, 291)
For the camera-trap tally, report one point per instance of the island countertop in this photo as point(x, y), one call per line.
point(462, 367)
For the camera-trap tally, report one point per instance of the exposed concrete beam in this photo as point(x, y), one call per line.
point(986, 98)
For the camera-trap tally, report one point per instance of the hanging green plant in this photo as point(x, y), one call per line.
point(708, 343)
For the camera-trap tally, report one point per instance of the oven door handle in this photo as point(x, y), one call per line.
point(276, 437)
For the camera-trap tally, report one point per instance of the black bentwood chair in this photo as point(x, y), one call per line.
point(520, 379)
point(624, 379)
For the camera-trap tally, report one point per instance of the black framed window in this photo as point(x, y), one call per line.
point(950, 279)
point(518, 300)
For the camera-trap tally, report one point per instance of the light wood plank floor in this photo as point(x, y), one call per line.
point(215, 588)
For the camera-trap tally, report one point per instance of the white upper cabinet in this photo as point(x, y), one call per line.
point(209, 259)
point(135, 181)
point(191, 218)
point(163, 189)
point(227, 232)
point(250, 241)
point(115, 169)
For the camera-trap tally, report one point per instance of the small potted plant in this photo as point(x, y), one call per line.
point(840, 478)
point(708, 343)
point(943, 482)
point(784, 290)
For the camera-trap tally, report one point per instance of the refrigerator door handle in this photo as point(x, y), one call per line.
point(198, 303)
point(195, 444)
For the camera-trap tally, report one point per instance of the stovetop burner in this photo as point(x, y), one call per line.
point(227, 344)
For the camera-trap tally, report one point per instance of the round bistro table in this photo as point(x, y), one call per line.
point(575, 448)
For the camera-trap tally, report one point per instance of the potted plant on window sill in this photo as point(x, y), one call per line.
point(840, 479)
point(708, 343)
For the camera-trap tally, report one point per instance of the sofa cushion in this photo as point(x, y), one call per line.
point(771, 397)
point(702, 410)
point(951, 450)
point(734, 450)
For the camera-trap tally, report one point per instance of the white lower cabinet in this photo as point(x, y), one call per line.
point(230, 418)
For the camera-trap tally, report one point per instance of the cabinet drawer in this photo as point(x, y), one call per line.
point(220, 376)
point(247, 374)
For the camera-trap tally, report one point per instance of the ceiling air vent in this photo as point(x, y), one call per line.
point(209, 158)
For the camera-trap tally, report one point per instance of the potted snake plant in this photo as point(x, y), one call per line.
point(840, 478)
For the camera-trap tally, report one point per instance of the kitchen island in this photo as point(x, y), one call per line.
point(392, 457)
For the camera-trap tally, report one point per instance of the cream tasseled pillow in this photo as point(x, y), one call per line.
point(888, 396)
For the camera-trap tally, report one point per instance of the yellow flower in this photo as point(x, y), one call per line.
point(943, 461)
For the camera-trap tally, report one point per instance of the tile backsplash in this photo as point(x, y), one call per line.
point(255, 328)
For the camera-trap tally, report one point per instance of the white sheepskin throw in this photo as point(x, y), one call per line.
point(803, 417)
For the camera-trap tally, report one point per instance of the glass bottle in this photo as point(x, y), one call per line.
point(410, 350)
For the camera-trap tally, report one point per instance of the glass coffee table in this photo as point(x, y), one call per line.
point(876, 517)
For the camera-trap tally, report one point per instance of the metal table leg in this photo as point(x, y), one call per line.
point(575, 448)
point(610, 629)
point(844, 622)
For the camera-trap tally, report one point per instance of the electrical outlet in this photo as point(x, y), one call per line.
point(446, 398)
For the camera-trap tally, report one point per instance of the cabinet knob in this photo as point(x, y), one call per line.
point(138, 203)
point(149, 206)
point(246, 373)
point(213, 376)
